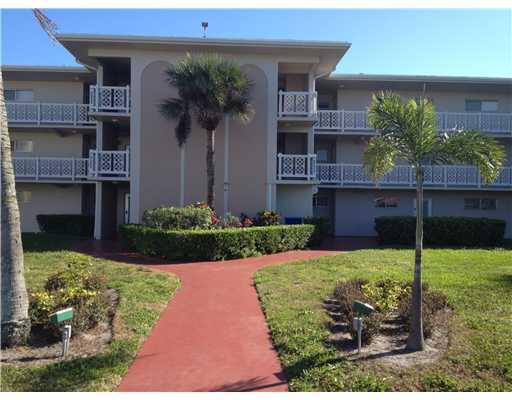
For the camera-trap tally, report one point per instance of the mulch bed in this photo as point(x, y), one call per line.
point(388, 347)
point(43, 349)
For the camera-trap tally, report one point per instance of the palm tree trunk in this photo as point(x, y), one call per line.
point(210, 167)
point(15, 326)
point(415, 340)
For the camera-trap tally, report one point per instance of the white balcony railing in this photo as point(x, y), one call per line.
point(100, 164)
point(50, 168)
point(114, 163)
point(49, 114)
point(296, 104)
point(403, 175)
point(343, 120)
point(296, 166)
point(109, 98)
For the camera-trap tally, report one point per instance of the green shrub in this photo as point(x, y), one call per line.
point(385, 294)
point(76, 286)
point(267, 218)
point(442, 231)
point(189, 217)
point(322, 229)
point(66, 224)
point(214, 244)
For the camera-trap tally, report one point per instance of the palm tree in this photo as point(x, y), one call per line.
point(407, 130)
point(15, 323)
point(209, 88)
point(15, 326)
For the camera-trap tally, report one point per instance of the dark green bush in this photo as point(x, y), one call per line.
point(76, 286)
point(322, 229)
point(442, 231)
point(267, 218)
point(214, 244)
point(189, 217)
point(66, 224)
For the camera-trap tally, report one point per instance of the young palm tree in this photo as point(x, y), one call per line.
point(407, 130)
point(15, 326)
point(209, 87)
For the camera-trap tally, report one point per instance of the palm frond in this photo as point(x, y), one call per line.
point(473, 148)
point(379, 157)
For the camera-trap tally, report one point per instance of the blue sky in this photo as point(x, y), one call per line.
point(430, 42)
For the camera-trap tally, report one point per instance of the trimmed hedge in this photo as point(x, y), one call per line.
point(66, 224)
point(189, 217)
point(442, 231)
point(217, 244)
point(322, 229)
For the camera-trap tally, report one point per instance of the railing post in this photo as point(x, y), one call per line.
point(342, 120)
point(279, 101)
point(127, 155)
point(72, 168)
point(342, 175)
point(37, 168)
point(279, 157)
point(445, 176)
point(127, 94)
point(38, 113)
point(75, 113)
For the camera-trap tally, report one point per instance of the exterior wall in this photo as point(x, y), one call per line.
point(295, 201)
point(51, 91)
point(48, 199)
point(355, 211)
point(156, 156)
point(47, 144)
point(444, 101)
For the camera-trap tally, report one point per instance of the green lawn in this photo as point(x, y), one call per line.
point(143, 295)
point(479, 287)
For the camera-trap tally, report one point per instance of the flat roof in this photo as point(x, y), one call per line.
point(170, 40)
point(47, 73)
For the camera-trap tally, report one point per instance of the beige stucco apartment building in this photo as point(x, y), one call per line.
point(91, 140)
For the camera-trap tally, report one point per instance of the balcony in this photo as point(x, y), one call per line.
point(109, 164)
point(296, 105)
point(437, 176)
point(110, 99)
point(101, 165)
point(296, 167)
point(341, 121)
point(49, 114)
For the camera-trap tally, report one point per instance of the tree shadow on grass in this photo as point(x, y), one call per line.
point(78, 374)
point(41, 242)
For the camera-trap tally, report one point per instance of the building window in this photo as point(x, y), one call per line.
point(482, 105)
point(22, 146)
point(488, 204)
point(480, 204)
point(19, 95)
point(386, 202)
point(24, 196)
point(320, 201)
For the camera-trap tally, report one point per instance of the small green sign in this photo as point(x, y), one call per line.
point(61, 316)
point(362, 308)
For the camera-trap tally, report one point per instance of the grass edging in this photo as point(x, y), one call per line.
point(143, 296)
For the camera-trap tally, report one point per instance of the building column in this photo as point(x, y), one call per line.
point(98, 201)
point(226, 163)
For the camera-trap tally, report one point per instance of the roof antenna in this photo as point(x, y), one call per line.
point(204, 24)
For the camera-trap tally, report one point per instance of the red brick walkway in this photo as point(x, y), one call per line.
point(213, 335)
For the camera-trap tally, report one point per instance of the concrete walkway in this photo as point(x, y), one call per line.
point(213, 335)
